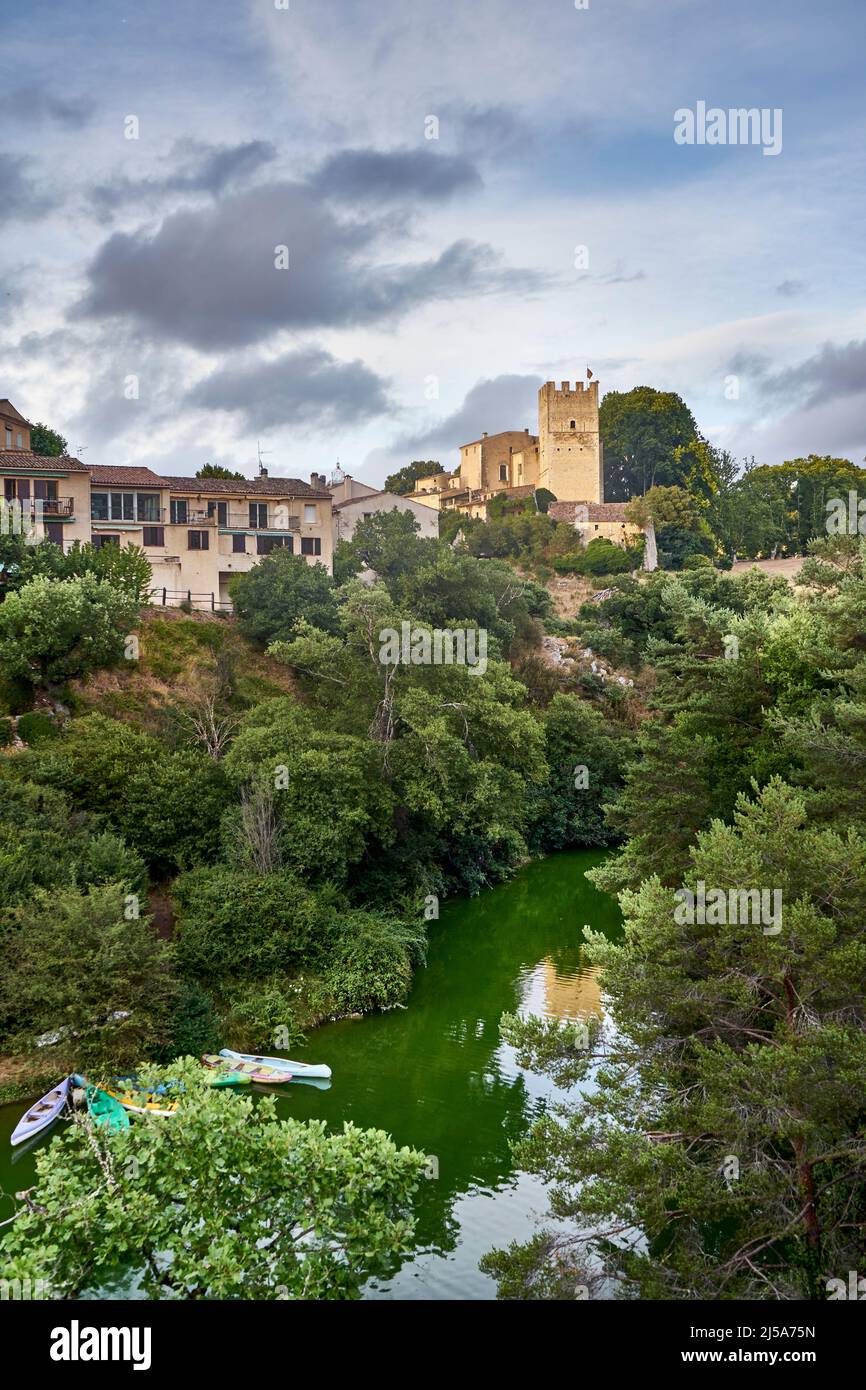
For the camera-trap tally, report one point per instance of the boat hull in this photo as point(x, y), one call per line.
point(42, 1114)
point(299, 1070)
point(269, 1076)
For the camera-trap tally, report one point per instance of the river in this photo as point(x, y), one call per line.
point(437, 1075)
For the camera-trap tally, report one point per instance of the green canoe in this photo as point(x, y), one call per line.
point(233, 1078)
point(105, 1111)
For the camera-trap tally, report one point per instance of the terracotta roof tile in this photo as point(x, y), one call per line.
point(267, 487)
point(124, 474)
point(42, 463)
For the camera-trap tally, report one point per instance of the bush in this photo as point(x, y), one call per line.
point(5, 732)
point(232, 923)
point(370, 965)
point(37, 728)
point(278, 592)
point(54, 629)
point(260, 1015)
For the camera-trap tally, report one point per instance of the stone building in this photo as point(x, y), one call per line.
point(565, 457)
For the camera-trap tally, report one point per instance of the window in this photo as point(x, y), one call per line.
point(46, 488)
point(258, 514)
point(571, 424)
point(239, 545)
point(177, 511)
point(8, 438)
point(122, 506)
point(20, 440)
point(265, 544)
point(311, 545)
point(154, 535)
point(503, 472)
point(9, 489)
point(310, 512)
point(197, 540)
point(54, 532)
point(147, 506)
point(99, 506)
point(221, 509)
point(99, 541)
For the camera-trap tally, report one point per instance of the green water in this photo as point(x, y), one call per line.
point(437, 1075)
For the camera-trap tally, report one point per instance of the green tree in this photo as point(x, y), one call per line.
point(47, 441)
point(52, 630)
point(278, 593)
point(721, 1157)
point(85, 964)
point(306, 1214)
point(642, 431)
point(406, 479)
point(216, 470)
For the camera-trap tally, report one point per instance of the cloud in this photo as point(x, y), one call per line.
point(374, 176)
point(788, 289)
point(203, 169)
point(497, 403)
point(32, 105)
point(307, 389)
point(831, 374)
point(209, 276)
point(22, 199)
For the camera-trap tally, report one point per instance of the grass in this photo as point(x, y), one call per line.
point(181, 658)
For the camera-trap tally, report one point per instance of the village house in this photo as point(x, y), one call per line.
point(197, 533)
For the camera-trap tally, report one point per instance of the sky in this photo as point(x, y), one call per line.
point(366, 231)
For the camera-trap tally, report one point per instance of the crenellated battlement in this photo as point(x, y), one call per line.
point(565, 388)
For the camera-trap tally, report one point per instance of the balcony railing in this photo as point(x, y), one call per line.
point(156, 517)
point(57, 506)
point(277, 518)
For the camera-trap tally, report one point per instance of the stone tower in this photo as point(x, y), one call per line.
point(569, 447)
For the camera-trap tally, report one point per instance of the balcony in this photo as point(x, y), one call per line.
point(277, 518)
point(156, 516)
point(57, 506)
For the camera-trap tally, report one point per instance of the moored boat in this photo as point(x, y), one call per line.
point(140, 1101)
point(297, 1069)
point(271, 1076)
point(42, 1114)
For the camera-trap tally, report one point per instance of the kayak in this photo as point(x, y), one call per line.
point(297, 1069)
point(43, 1113)
point(272, 1076)
point(140, 1101)
point(105, 1111)
point(231, 1078)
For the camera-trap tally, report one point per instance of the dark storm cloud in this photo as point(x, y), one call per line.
point(21, 199)
point(304, 388)
point(31, 105)
point(374, 176)
point(828, 375)
point(508, 402)
point(200, 169)
point(209, 277)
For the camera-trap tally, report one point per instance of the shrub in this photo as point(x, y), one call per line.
point(5, 732)
point(242, 923)
point(370, 965)
point(37, 728)
point(54, 629)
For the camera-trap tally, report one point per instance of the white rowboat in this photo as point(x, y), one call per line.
point(299, 1070)
point(42, 1114)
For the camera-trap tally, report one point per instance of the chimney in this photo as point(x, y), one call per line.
point(263, 472)
point(484, 435)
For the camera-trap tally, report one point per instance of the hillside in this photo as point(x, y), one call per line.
point(183, 658)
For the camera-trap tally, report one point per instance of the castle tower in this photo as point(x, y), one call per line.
point(569, 447)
